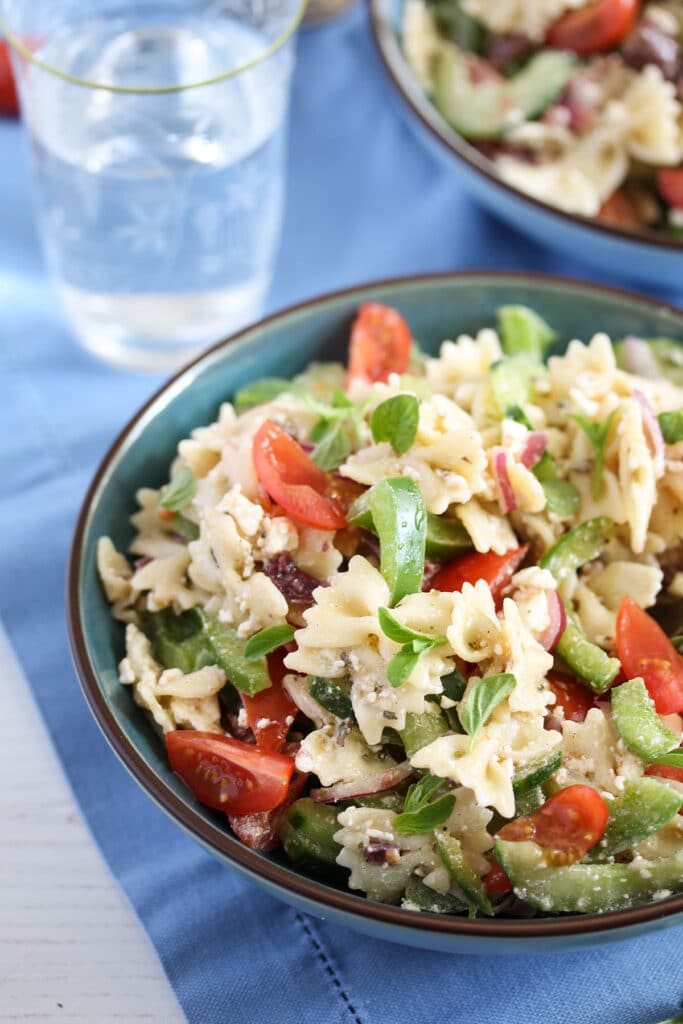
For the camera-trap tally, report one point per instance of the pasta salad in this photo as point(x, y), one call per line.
point(414, 621)
point(577, 102)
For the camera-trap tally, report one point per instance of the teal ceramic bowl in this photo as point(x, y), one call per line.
point(638, 256)
point(436, 307)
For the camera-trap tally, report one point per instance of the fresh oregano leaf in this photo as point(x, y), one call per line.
point(333, 449)
point(597, 435)
point(427, 818)
point(395, 420)
point(674, 758)
point(483, 699)
point(260, 391)
point(401, 634)
point(331, 696)
point(267, 640)
point(180, 491)
point(421, 792)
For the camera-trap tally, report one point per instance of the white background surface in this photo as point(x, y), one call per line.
point(71, 948)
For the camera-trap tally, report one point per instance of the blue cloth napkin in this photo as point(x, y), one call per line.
point(364, 200)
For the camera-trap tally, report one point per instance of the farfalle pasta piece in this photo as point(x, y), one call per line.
point(488, 530)
point(421, 40)
point(334, 757)
point(447, 459)
point(653, 119)
point(140, 670)
point(637, 473)
point(592, 752)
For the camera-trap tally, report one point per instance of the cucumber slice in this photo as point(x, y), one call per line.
point(637, 722)
point(308, 836)
point(586, 888)
point(536, 774)
point(465, 877)
point(528, 802)
point(511, 378)
point(421, 730)
point(644, 807)
point(486, 110)
point(523, 330)
point(419, 896)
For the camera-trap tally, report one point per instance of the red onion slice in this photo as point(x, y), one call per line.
point(557, 624)
point(639, 358)
point(506, 496)
point(653, 431)
point(534, 448)
point(368, 786)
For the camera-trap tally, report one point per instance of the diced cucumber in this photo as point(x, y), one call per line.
point(454, 24)
point(511, 378)
point(637, 722)
point(465, 877)
point(671, 424)
point(486, 110)
point(389, 800)
point(308, 835)
point(419, 896)
point(528, 802)
point(644, 806)
point(536, 774)
point(420, 730)
point(522, 330)
point(586, 888)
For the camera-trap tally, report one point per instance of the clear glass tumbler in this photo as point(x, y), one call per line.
point(157, 130)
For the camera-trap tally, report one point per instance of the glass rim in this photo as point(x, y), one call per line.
point(16, 43)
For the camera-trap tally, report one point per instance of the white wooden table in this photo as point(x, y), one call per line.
point(71, 948)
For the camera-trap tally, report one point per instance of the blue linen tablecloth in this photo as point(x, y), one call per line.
point(365, 200)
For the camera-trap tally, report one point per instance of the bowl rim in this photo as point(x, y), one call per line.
point(462, 150)
point(222, 842)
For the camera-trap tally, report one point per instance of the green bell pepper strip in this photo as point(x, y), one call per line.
point(420, 730)
point(331, 696)
point(585, 888)
point(400, 518)
point(465, 877)
point(179, 641)
point(580, 545)
point(536, 774)
point(644, 806)
point(307, 836)
point(249, 677)
point(419, 896)
point(637, 722)
point(590, 664)
point(445, 538)
point(523, 330)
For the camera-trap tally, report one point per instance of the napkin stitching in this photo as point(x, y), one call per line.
point(329, 969)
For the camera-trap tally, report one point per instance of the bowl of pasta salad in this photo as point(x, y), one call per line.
point(382, 599)
point(563, 116)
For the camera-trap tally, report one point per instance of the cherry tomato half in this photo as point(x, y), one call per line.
point(670, 185)
point(293, 480)
point(380, 344)
point(497, 882)
point(567, 826)
point(619, 210)
point(271, 712)
point(595, 28)
point(571, 696)
point(645, 650)
point(9, 101)
point(228, 774)
point(497, 570)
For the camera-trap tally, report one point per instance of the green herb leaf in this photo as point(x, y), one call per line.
point(483, 699)
point(187, 529)
point(427, 818)
point(561, 496)
point(333, 449)
point(402, 664)
point(677, 641)
point(454, 685)
point(260, 391)
point(267, 640)
point(395, 421)
point(420, 793)
point(672, 426)
point(331, 696)
point(180, 491)
point(401, 634)
point(597, 435)
point(674, 758)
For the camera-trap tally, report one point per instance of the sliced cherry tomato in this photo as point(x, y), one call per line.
point(271, 712)
point(262, 831)
point(9, 101)
point(576, 700)
point(567, 826)
point(497, 570)
point(670, 185)
point(620, 211)
point(228, 774)
point(293, 480)
point(645, 650)
point(380, 344)
point(595, 28)
point(497, 882)
point(666, 771)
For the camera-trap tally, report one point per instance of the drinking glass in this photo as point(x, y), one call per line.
point(157, 132)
